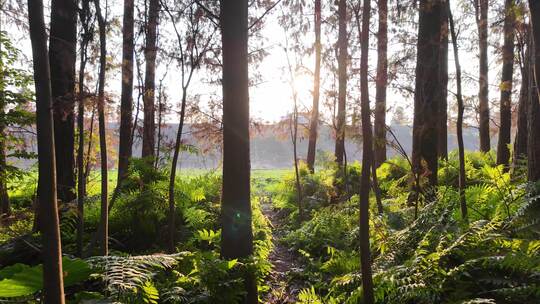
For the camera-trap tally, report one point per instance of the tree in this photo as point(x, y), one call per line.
point(126, 98)
point(443, 110)
point(237, 235)
point(104, 219)
point(314, 121)
point(150, 53)
point(62, 57)
point(503, 152)
point(85, 18)
point(191, 51)
point(53, 285)
point(533, 149)
point(520, 142)
point(367, 159)
point(459, 123)
point(427, 91)
point(342, 82)
point(381, 84)
point(481, 12)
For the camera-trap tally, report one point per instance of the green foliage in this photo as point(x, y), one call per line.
point(21, 280)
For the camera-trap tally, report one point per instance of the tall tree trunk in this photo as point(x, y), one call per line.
point(367, 159)
point(520, 142)
point(81, 181)
point(505, 124)
point(427, 92)
point(104, 219)
point(533, 158)
point(150, 52)
point(172, 204)
point(53, 284)
point(443, 118)
point(62, 58)
point(5, 206)
point(314, 121)
point(381, 84)
point(342, 82)
point(126, 97)
point(459, 124)
point(483, 94)
point(237, 235)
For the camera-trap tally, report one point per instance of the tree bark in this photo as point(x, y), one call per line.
point(427, 91)
point(505, 124)
point(342, 82)
point(53, 285)
point(381, 84)
point(62, 58)
point(533, 158)
point(81, 180)
point(443, 120)
point(483, 95)
point(367, 159)
point(314, 121)
point(126, 97)
point(5, 206)
point(459, 124)
point(237, 235)
point(104, 218)
point(150, 52)
point(520, 142)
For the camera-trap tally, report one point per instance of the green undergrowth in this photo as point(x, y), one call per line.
point(435, 258)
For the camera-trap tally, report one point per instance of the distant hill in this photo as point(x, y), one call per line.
point(271, 151)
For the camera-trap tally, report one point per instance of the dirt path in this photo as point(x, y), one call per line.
point(281, 289)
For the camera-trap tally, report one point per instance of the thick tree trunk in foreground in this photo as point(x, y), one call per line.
point(367, 159)
point(382, 82)
point(443, 110)
point(459, 124)
point(427, 91)
point(314, 121)
point(534, 106)
point(53, 284)
point(62, 58)
point(237, 235)
point(104, 219)
point(342, 82)
point(150, 52)
point(126, 98)
point(505, 124)
point(483, 94)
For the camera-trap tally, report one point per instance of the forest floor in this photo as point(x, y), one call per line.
point(282, 289)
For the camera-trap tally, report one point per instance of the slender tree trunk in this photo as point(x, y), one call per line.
point(443, 120)
point(505, 124)
point(376, 188)
point(53, 285)
point(427, 91)
point(126, 97)
point(150, 52)
point(159, 125)
point(459, 124)
point(62, 57)
point(533, 158)
point(104, 219)
point(483, 95)
point(382, 83)
point(342, 81)
point(294, 139)
point(237, 235)
point(314, 121)
point(81, 181)
point(5, 206)
point(520, 142)
point(172, 204)
point(367, 159)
